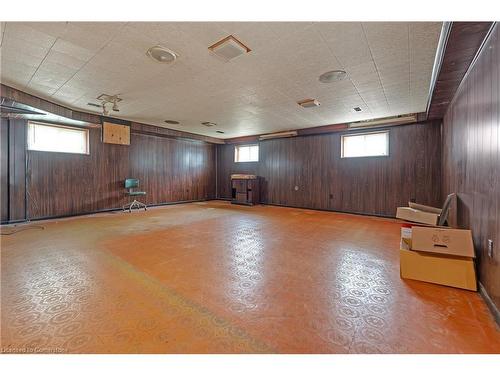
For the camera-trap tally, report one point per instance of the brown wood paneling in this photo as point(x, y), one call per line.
point(169, 170)
point(464, 40)
point(17, 169)
point(68, 184)
point(471, 159)
point(4, 169)
point(173, 170)
point(326, 181)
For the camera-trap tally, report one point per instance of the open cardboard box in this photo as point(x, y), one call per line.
point(423, 214)
point(417, 216)
point(440, 256)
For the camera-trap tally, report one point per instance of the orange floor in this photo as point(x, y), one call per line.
point(217, 278)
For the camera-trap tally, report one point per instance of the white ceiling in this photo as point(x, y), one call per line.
point(389, 68)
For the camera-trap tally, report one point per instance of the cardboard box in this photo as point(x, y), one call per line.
point(417, 216)
point(440, 269)
point(457, 242)
point(441, 256)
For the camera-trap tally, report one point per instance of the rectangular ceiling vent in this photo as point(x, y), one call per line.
point(229, 48)
point(309, 103)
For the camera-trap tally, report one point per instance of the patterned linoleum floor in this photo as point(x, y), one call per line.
point(216, 278)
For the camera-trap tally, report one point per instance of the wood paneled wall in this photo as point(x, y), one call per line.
point(60, 184)
point(13, 166)
point(471, 159)
point(463, 42)
point(4, 170)
point(326, 181)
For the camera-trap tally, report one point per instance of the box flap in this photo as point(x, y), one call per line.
point(417, 216)
point(422, 207)
point(456, 242)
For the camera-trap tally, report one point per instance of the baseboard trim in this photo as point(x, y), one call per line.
point(317, 209)
point(100, 211)
point(489, 302)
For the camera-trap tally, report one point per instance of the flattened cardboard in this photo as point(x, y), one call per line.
point(458, 272)
point(457, 242)
point(423, 207)
point(417, 216)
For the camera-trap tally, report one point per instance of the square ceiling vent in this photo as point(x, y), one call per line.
point(229, 48)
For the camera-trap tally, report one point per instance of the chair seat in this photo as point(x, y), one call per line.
point(133, 193)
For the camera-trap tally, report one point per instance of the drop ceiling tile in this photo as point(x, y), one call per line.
point(64, 59)
point(257, 90)
point(41, 90)
point(53, 29)
point(373, 86)
point(13, 46)
point(74, 50)
point(89, 38)
point(68, 94)
point(2, 29)
point(45, 78)
point(386, 35)
point(12, 57)
point(377, 94)
point(24, 31)
point(285, 30)
point(56, 69)
point(16, 73)
point(365, 79)
point(346, 41)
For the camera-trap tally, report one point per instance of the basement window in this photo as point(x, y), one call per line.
point(57, 138)
point(366, 144)
point(246, 153)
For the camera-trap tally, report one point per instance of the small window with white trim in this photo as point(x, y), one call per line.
point(246, 153)
point(365, 144)
point(57, 138)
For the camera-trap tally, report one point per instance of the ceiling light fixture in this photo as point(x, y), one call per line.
point(172, 122)
point(332, 76)
point(357, 109)
point(162, 54)
point(219, 131)
point(108, 99)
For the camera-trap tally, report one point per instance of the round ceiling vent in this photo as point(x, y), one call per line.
point(162, 54)
point(332, 76)
point(172, 122)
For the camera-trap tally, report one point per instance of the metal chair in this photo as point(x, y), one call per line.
point(130, 185)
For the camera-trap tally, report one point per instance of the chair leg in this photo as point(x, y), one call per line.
point(135, 204)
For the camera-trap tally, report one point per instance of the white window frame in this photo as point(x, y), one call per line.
point(75, 128)
point(236, 153)
point(364, 133)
